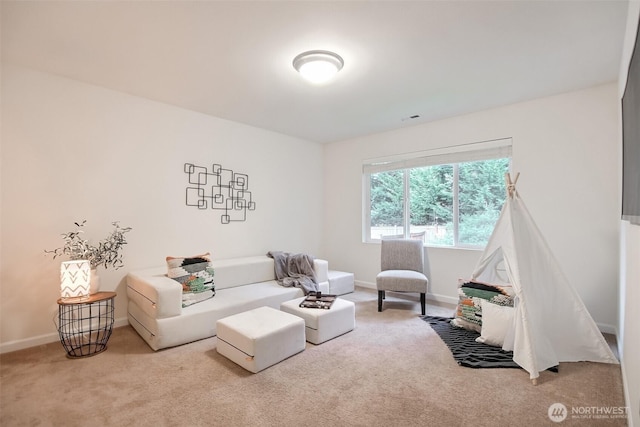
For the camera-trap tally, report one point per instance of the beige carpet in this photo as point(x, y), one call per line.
point(392, 370)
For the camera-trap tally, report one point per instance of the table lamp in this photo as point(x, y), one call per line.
point(75, 277)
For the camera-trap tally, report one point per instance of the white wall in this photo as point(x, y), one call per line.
point(566, 150)
point(629, 342)
point(72, 151)
point(629, 329)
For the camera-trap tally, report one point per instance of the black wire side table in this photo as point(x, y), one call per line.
point(85, 323)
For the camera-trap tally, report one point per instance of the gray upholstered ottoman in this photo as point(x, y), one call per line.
point(321, 324)
point(259, 338)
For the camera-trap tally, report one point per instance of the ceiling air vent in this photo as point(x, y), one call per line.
point(415, 116)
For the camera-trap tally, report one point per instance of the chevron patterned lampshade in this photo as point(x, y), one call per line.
point(75, 277)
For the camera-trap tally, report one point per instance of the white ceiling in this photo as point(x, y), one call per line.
point(232, 59)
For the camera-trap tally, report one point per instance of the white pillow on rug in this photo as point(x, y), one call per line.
point(496, 321)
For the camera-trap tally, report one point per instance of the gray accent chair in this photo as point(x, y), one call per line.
point(402, 269)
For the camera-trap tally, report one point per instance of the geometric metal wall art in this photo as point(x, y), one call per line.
point(220, 189)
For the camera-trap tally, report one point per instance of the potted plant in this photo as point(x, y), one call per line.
point(108, 252)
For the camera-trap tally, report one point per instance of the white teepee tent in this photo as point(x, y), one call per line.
point(551, 323)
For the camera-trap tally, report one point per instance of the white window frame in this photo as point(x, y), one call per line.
point(485, 150)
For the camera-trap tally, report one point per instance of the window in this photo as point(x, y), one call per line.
point(451, 197)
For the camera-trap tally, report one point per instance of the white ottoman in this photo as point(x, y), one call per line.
point(322, 325)
point(340, 282)
point(259, 338)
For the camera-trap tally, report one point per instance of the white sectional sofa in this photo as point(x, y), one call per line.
point(155, 301)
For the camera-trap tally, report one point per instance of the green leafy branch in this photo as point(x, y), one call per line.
point(108, 252)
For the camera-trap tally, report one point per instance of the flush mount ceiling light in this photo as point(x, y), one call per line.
point(318, 66)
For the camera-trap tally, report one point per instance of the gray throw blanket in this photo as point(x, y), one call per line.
point(295, 270)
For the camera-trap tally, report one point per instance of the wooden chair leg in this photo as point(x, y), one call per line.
point(380, 298)
point(423, 301)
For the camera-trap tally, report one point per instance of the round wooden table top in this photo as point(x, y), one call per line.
point(98, 296)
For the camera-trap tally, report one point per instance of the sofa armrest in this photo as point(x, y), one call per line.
point(321, 268)
point(155, 293)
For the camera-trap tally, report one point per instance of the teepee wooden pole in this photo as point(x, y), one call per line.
point(511, 185)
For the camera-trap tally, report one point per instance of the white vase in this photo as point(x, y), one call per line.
point(94, 285)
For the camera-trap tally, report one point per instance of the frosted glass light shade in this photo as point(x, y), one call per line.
point(75, 277)
point(318, 66)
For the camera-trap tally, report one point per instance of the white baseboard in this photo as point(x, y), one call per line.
point(442, 299)
point(367, 285)
point(627, 397)
point(607, 329)
point(16, 345)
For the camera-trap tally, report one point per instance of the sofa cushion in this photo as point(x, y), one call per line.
point(243, 271)
point(195, 274)
point(156, 294)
